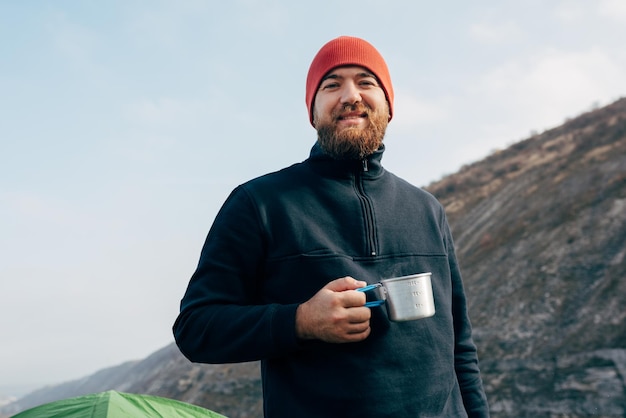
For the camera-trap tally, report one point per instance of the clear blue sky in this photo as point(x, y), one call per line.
point(124, 125)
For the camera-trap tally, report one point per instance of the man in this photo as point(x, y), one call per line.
point(278, 273)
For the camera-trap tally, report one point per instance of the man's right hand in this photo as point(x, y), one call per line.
point(335, 315)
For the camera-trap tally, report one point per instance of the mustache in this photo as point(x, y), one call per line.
point(348, 108)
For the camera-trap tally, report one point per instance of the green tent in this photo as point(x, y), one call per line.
point(114, 404)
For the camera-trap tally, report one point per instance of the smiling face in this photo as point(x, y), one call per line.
point(350, 113)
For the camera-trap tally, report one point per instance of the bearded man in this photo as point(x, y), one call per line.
point(280, 270)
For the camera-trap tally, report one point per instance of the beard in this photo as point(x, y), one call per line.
point(353, 143)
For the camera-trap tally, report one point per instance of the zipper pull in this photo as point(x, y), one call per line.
point(365, 168)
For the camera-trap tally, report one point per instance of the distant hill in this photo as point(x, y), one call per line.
point(540, 230)
point(233, 390)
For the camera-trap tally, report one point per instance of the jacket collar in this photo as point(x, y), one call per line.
point(370, 166)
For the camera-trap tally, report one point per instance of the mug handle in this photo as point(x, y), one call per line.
point(372, 303)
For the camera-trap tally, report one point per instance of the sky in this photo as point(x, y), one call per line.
point(125, 124)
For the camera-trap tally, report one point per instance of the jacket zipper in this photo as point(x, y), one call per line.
point(368, 212)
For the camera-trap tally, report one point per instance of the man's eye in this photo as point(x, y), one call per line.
point(330, 86)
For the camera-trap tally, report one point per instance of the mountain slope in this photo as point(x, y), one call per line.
point(540, 232)
point(541, 235)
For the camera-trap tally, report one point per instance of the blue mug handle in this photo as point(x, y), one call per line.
point(372, 303)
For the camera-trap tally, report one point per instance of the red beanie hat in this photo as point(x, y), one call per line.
point(347, 50)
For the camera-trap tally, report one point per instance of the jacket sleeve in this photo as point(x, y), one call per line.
point(465, 353)
point(221, 318)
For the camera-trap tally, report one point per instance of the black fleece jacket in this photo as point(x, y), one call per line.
point(280, 238)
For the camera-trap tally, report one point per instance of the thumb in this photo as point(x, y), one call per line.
point(345, 283)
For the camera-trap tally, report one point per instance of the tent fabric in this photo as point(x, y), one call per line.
point(113, 404)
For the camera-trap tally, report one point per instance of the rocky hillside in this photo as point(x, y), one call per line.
point(540, 230)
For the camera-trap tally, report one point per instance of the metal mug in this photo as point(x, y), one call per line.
point(406, 298)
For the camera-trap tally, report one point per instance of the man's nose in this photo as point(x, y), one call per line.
point(350, 94)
